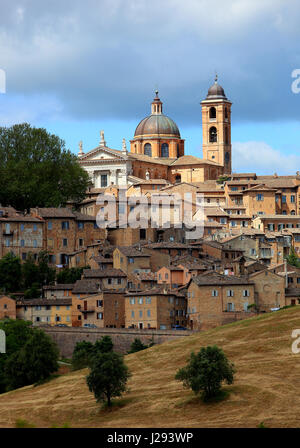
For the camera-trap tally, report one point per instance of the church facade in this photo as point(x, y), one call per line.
point(157, 150)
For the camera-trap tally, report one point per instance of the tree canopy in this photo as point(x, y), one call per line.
point(206, 371)
point(36, 170)
point(108, 376)
point(292, 258)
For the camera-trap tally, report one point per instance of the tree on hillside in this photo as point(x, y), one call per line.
point(37, 170)
point(108, 377)
point(137, 346)
point(292, 258)
point(84, 352)
point(10, 273)
point(30, 272)
point(35, 361)
point(17, 333)
point(82, 355)
point(206, 371)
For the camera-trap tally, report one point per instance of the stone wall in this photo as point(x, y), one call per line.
point(66, 338)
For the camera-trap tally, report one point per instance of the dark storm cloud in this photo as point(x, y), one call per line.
point(103, 59)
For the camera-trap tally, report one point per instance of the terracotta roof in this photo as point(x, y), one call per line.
point(156, 160)
point(130, 251)
point(158, 290)
point(103, 273)
point(167, 245)
point(284, 217)
point(192, 160)
point(34, 302)
point(213, 278)
point(86, 287)
point(59, 287)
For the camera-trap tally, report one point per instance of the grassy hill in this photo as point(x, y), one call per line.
point(267, 386)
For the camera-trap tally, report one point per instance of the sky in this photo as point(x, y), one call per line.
point(77, 67)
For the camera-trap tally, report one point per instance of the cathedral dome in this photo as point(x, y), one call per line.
point(216, 91)
point(157, 123)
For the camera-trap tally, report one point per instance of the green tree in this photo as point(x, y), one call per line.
point(137, 346)
point(17, 334)
point(292, 258)
point(10, 273)
point(103, 345)
point(108, 377)
point(82, 355)
point(206, 371)
point(37, 170)
point(30, 272)
point(47, 274)
point(35, 361)
point(69, 275)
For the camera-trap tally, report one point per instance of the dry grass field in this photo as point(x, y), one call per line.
point(266, 389)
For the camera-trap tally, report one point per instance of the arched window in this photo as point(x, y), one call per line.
point(226, 112)
point(212, 112)
point(165, 150)
point(177, 178)
point(178, 152)
point(148, 149)
point(226, 136)
point(213, 136)
point(293, 212)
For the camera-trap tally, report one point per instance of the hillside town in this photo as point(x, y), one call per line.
point(154, 277)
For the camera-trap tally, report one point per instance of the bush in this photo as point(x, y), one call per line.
point(206, 371)
point(108, 376)
point(137, 346)
point(85, 351)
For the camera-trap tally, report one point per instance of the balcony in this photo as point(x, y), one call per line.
point(90, 309)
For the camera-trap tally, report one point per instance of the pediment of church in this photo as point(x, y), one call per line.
point(102, 153)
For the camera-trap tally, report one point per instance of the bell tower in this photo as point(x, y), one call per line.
point(216, 127)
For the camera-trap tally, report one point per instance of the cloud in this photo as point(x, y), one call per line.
point(260, 158)
point(103, 59)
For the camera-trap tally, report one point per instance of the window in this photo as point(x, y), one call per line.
point(49, 225)
point(230, 306)
point(24, 256)
point(140, 313)
point(68, 319)
point(229, 293)
point(132, 313)
point(119, 281)
point(140, 300)
point(214, 293)
point(148, 313)
point(283, 199)
point(109, 281)
point(246, 293)
point(171, 299)
point(65, 225)
point(34, 243)
point(22, 243)
point(132, 301)
point(100, 316)
point(165, 150)
point(65, 242)
point(103, 180)
point(131, 260)
point(213, 136)
point(22, 227)
point(80, 225)
point(80, 242)
point(148, 149)
point(99, 303)
point(293, 198)
point(5, 306)
point(148, 300)
point(259, 197)
point(166, 276)
point(142, 234)
point(7, 243)
point(34, 227)
point(116, 316)
point(212, 113)
point(271, 226)
point(234, 188)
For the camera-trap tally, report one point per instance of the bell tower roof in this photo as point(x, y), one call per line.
point(216, 91)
